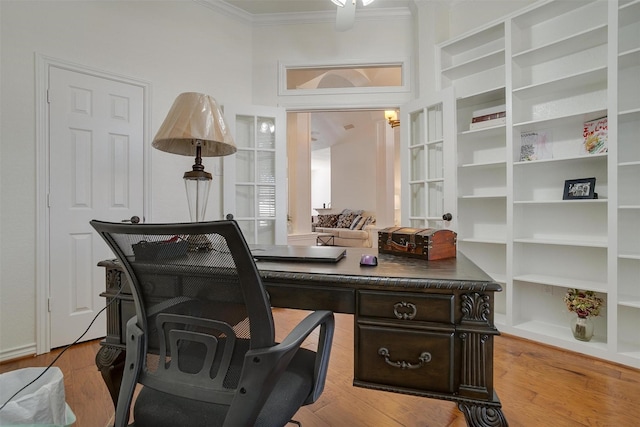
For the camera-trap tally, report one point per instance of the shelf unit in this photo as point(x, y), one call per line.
point(628, 168)
point(555, 65)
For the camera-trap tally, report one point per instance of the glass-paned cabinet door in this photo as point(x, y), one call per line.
point(255, 176)
point(428, 162)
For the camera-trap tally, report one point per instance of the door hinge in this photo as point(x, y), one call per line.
point(48, 98)
point(49, 305)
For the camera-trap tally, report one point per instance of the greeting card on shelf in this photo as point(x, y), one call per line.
point(595, 136)
point(535, 146)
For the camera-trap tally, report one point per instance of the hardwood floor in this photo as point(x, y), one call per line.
point(539, 386)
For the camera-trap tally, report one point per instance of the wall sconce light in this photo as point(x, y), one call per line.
point(392, 118)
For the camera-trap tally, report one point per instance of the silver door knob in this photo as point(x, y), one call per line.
point(447, 217)
point(134, 219)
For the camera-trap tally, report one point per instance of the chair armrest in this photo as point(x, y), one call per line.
point(263, 367)
point(296, 337)
point(279, 356)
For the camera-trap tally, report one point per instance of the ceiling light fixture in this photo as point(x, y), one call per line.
point(342, 3)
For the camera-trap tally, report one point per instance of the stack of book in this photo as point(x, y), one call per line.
point(487, 117)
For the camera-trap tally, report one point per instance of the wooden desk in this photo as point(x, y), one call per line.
point(423, 328)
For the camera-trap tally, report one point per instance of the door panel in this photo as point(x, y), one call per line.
point(96, 171)
point(428, 161)
point(255, 186)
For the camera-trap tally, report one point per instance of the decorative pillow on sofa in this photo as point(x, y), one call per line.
point(327, 220)
point(357, 222)
point(367, 221)
point(346, 218)
point(361, 221)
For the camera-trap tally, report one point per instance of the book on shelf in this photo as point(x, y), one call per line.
point(491, 116)
point(487, 117)
point(488, 123)
point(595, 136)
point(535, 145)
point(488, 111)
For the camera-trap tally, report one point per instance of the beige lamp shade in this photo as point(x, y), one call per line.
point(195, 118)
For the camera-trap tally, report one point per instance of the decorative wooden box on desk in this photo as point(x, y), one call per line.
point(426, 243)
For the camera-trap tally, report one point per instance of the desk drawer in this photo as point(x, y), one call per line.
point(406, 306)
point(339, 300)
point(408, 358)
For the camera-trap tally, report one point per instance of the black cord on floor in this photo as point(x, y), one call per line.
point(113, 299)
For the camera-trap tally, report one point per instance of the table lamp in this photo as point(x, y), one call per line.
point(196, 127)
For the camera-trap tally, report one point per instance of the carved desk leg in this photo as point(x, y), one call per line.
point(476, 333)
point(479, 415)
point(110, 358)
point(110, 362)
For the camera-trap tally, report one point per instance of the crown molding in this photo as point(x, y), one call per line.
point(268, 19)
point(226, 9)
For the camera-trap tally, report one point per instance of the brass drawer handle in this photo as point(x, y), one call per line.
point(425, 357)
point(400, 313)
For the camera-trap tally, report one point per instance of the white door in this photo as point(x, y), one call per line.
point(255, 177)
point(428, 166)
point(96, 172)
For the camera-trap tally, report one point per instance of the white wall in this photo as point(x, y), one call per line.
point(320, 43)
point(468, 15)
point(353, 175)
point(176, 46)
point(321, 179)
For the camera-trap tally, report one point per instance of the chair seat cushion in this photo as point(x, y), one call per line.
point(157, 409)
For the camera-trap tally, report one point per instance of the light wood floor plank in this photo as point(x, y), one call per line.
point(538, 386)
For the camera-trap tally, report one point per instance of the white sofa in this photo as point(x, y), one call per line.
point(351, 228)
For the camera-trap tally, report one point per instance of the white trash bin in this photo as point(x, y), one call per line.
point(40, 404)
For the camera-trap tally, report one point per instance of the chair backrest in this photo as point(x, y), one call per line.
point(199, 301)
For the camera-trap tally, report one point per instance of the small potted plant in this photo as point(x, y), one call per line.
point(585, 304)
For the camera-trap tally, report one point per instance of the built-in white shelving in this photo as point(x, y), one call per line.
point(555, 65)
point(628, 175)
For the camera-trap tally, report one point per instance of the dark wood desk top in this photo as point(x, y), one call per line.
point(334, 286)
point(392, 271)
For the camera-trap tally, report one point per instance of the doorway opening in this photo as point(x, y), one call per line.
point(342, 153)
point(341, 159)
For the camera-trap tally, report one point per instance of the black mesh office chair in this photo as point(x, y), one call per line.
point(202, 342)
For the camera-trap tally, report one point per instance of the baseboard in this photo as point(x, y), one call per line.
point(18, 353)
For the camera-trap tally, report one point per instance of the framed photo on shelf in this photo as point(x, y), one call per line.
point(583, 188)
